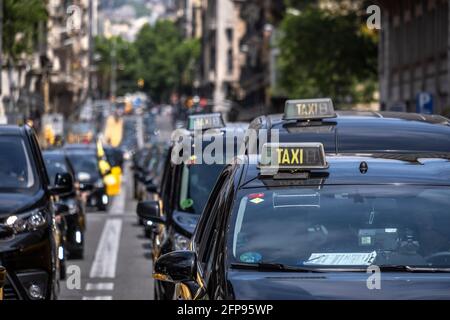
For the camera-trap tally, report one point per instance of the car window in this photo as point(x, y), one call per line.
point(207, 229)
point(16, 165)
point(85, 166)
point(197, 181)
point(332, 226)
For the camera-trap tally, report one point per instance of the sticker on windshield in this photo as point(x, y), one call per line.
point(186, 204)
point(342, 259)
point(257, 200)
point(251, 257)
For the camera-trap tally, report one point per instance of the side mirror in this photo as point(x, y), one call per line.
point(176, 266)
point(152, 188)
point(61, 209)
point(63, 184)
point(149, 210)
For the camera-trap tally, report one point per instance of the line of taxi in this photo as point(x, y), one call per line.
point(184, 189)
point(329, 205)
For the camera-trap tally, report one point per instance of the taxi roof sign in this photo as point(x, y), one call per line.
point(310, 109)
point(205, 121)
point(293, 156)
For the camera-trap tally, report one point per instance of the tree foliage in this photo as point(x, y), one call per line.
point(159, 55)
point(327, 53)
point(20, 21)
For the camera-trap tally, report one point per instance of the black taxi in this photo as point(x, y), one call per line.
point(186, 184)
point(297, 223)
point(315, 120)
point(28, 232)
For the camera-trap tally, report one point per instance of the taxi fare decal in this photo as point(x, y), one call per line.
point(257, 200)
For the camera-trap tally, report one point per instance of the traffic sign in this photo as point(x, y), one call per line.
point(424, 103)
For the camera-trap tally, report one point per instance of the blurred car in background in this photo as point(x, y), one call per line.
point(57, 161)
point(87, 174)
point(82, 132)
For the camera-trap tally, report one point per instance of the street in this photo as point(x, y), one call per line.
point(117, 264)
point(224, 150)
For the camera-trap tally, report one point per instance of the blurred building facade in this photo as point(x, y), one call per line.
point(414, 55)
point(69, 54)
point(55, 77)
point(238, 52)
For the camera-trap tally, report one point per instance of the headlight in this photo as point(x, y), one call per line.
point(181, 242)
point(29, 221)
point(84, 176)
point(99, 184)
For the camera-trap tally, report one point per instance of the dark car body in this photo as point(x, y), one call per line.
point(184, 190)
point(75, 219)
point(211, 271)
point(29, 254)
point(362, 132)
point(87, 173)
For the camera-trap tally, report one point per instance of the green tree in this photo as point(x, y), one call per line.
point(20, 21)
point(159, 55)
point(325, 53)
point(167, 61)
point(121, 55)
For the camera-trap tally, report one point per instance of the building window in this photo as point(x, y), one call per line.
point(230, 64)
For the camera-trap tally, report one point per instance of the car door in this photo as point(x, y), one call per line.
point(210, 233)
point(166, 192)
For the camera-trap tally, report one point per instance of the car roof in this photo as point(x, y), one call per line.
point(366, 131)
point(80, 146)
point(54, 152)
point(388, 168)
point(11, 130)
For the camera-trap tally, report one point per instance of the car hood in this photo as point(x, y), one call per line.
point(16, 202)
point(250, 285)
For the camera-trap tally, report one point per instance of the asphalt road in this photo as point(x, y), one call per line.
point(117, 263)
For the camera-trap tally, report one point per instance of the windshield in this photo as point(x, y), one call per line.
point(85, 166)
point(16, 169)
point(197, 182)
point(335, 226)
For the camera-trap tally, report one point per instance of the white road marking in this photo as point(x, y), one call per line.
point(98, 298)
point(103, 286)
point(104, 265)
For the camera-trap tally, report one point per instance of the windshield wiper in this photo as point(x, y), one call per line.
point(401, 268)
point(265, 266)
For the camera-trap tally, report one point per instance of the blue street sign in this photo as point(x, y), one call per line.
point(424, 103)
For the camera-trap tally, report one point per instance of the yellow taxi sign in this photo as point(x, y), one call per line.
point(205, 121)
point(293, 156)
point(309, 109)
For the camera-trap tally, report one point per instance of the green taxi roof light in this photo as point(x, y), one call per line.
point(205, 121)
point(293, 157)
point(309, 109)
